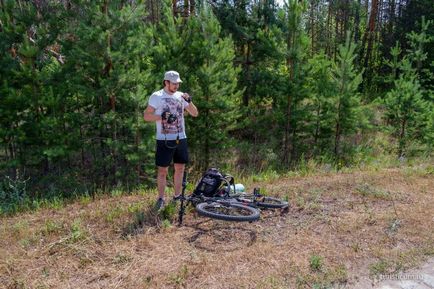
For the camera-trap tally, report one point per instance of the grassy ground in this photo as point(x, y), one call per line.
point(339, 227)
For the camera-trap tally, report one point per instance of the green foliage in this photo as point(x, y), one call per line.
point(168, 213)
point(408, 111)
point(379, 268)
point(213, 86)
point(321, 103)
point(429, 130)
point(109, 61)
point(77, 95)
point(367, 190)
point(51, 227)
point(257, 37)
point(406, 108)
point(75, 80)
point(13, 195)
point(77, 232)
point(348, 107)
point(415, 32)
point(292, 103)
point(417, 41)
point(316, 263)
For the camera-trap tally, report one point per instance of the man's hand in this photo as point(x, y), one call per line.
point(186, 97)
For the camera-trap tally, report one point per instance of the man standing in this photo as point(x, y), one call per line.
point(166, 108)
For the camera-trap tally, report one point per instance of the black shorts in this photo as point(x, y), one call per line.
point(169, 150)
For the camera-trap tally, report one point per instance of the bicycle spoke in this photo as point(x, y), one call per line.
point(228, 212)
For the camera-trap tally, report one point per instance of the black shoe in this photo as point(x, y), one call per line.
point(176, 198)
point(159, 204)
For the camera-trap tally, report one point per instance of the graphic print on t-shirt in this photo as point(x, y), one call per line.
point(175, 107)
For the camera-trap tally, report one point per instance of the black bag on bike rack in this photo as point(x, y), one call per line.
point(210, 183)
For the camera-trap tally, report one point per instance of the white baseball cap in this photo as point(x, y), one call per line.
point(172, 76)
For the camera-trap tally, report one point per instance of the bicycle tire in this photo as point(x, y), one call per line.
point(263, 202)
point(228, 212)
point(271, 203)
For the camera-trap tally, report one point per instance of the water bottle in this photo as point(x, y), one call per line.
point(239, 188)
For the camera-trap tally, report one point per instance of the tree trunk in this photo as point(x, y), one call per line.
point(192, 7)
point(205, 160)
point(174, 8)
point(112, 101)
point(83, 166)
point(337, 137)
point(337, 36)
point(338, 127)
point(287, 142)
point(317, 126)
point(207, 144)
point(138, 140)
point(2, 2)
point(371, 30)
point(247, 64)
point(207, 153)
point(114, 151)
point(400, 6)
point(186, 8)
point(369, 37)
point(12, 150)
point(391, 17)
point(153, 8)
point(402, 137)
point(312, 26)
point(328, 31)
point(293, 146)
point(346, 18)
point(357, 22)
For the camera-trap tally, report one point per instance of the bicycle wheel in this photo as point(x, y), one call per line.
point(271, 203)
point(228, 212)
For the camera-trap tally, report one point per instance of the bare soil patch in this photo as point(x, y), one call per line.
point(340, 227)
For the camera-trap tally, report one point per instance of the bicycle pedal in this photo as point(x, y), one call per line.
point(284, 210)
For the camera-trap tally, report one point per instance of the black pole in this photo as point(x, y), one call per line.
point(182, 208)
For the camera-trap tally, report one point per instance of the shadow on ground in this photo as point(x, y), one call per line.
point(221, 236)
point(141, 220)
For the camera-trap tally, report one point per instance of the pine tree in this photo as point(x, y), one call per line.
point(213, 83)
point(408, 105)
point(297, 46)
point(109, 76)
point(194, 47)
point(322, 91)
point(170, 40)
point(31, 115)
point(74, 100)
point(418, 53)
point(253, 27)
point(414, 17)
point(405, 107)
point(348, 113)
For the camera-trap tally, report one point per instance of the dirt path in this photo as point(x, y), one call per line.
point(418, 278)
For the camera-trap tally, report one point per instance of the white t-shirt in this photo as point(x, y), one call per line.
point(175, 103)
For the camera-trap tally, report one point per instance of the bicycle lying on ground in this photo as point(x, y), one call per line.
point(215, 197)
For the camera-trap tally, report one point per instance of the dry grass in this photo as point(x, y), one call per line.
point(339, 227)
